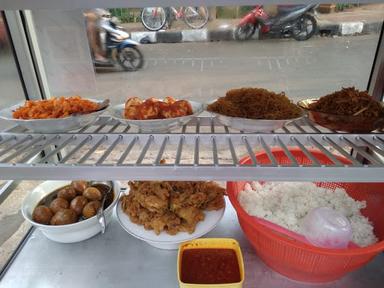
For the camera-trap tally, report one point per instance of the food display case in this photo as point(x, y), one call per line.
point(202, 149)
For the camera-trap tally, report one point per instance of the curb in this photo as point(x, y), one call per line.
point(205, 35)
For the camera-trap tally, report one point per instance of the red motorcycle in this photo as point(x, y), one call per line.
point(291, 20)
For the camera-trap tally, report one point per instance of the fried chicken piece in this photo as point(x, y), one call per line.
point(190, 214)
point(171, 206)
point(168, 222)
point(132, 107)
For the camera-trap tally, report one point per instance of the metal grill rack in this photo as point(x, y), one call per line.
point(201, 150)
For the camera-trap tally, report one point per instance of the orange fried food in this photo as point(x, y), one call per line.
point(171, 206)
point(153, 108)
point(55, 108)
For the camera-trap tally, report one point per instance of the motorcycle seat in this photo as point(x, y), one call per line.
point(285, 9)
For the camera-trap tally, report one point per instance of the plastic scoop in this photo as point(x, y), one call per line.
point(290, 234)
point(327, 228)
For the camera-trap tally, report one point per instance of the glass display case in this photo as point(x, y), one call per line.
point(197, 53)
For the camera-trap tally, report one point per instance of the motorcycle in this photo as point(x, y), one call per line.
point(291, 20)
point(119, 48)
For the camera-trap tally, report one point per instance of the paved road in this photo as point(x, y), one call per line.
point(206, 70)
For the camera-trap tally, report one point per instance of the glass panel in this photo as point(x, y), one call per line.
point(206, 62)
point(13, 226)
point(10, 85)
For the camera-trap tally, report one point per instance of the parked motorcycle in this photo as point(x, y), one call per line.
point(120, 49)
point(291, 20)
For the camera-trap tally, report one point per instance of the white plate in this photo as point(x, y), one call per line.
point(56, 125)
point(164, 240)
point(252, 125)
point(157, 125)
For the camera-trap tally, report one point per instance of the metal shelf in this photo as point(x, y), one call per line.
point(202, 150)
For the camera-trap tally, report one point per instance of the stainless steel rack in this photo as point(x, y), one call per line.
point(203, 149)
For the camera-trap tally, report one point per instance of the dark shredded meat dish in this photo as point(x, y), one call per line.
point(349, 101)
point(171, 206)
point(255, 103)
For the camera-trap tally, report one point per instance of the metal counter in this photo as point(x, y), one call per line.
point(117, 259)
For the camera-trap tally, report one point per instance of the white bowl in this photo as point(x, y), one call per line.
point(54, 125)
point(157, 125)
point(69, 233)
point(164, 240)
point(252, 125)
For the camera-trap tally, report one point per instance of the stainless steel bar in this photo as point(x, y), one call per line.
point(38, 150)
point(105, 123)
point(161, 151)
point(214, 151)
point(17, 144)
point(197, 125)
point(127, 151)
point(77, 148)
point(212, 125)
point(233, 152)
point(341, 151)
point(326, 152)
point(379, 139)
point(144, 151)
point(268, 151)
point(298, 127)
point(250, 150)
point(371, 146)
point(287, 152)
point(179, 150)
point(109, 150)
point(58, 148)
point(362, 152)
point(93, 149)
point(197, 153)
point(184, 129)
point(286, 130)
point(306, 152)
point(21, 150)
point(84, 128)
point(226, 129)
point(127, 129)
point(313, 127)
point(7, 140)
point(114, 127)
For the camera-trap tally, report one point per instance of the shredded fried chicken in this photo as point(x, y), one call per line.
point(349, 101)
point(171, 206)
point(255, 103)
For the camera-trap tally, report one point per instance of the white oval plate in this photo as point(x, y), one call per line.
point(252, 125)
point(164, 240)
point(157, 125)
point(56, 125)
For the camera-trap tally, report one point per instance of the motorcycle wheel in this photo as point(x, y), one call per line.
point(153, 18)
point(244, 32)
point(300, 30)
point(130, 58)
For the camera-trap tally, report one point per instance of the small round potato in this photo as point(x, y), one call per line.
point(67, 193)
point(92, 194)
point(91, 208)
point(64, 216)
point(57, 204)
point(79, 186)
point(42, 214)
point(78, 203)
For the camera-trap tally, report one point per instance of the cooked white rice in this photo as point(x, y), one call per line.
point(286, 203)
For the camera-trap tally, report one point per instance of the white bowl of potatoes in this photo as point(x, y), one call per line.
point(65, 211)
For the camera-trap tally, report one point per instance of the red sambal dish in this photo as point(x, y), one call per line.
point(209, 266)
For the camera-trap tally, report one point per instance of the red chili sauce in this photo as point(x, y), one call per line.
point(209, 266)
